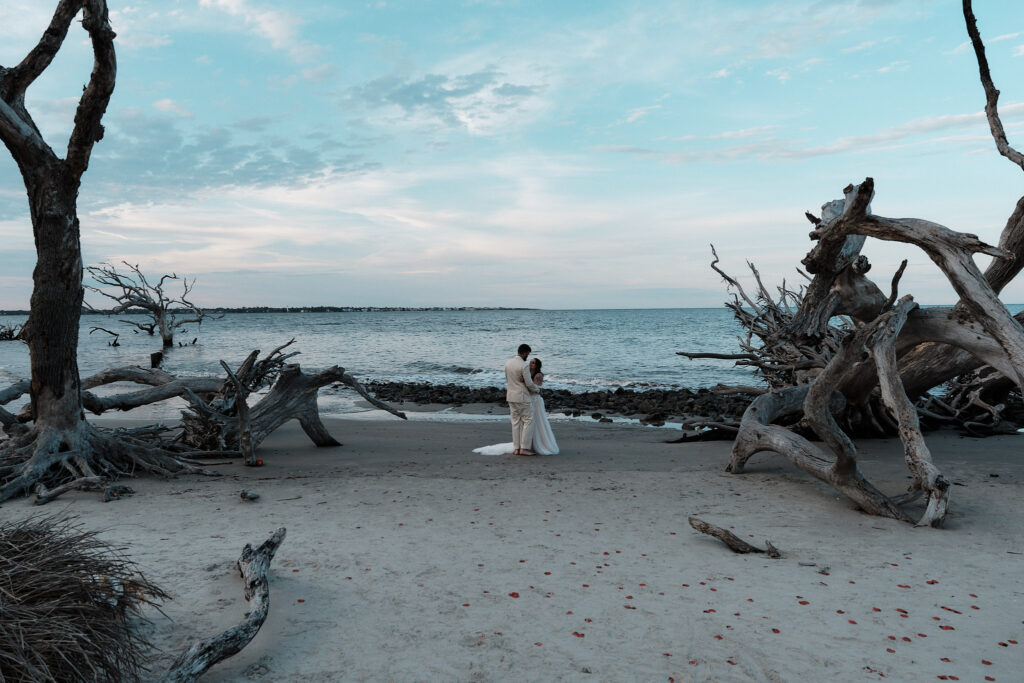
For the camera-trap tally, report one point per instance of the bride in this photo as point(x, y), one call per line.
point(543, 438)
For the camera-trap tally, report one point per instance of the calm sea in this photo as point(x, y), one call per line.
point(582, 350)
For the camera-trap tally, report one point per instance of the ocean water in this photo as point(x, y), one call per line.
point(581, 350)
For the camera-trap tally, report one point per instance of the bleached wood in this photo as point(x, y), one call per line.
point(254, 567)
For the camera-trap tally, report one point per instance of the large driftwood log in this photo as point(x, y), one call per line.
point(863, 367)
point(293, 397)
point(253, 565)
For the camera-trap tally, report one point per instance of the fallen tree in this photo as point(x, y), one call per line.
point(829, 381)
point(50, 447)
point(10, 332)
point(218, 422)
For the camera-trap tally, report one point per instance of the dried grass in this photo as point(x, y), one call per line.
point(66, 599)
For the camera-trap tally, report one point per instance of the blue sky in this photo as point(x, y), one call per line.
point(516, 153)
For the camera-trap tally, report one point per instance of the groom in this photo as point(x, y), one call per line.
point(520, 386)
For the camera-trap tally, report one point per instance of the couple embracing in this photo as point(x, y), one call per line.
point(531, 431)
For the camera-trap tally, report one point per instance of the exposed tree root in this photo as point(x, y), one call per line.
point(52, 461)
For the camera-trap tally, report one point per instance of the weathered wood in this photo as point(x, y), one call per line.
point(991, 93)
point(927, 478)
point(254, 567)
point(132, 291)
point(59, 435)
point(734, 542)
point(245, 445)
point(758, 433)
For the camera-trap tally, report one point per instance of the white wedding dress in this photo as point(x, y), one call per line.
point(543, 438)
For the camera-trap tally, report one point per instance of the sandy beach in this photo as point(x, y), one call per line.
point(409, 558)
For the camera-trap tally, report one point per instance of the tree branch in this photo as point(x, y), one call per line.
point(995, 124)
point(88, 130)
point(35, 62)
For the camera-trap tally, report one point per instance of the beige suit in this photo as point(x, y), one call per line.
point(518, 395)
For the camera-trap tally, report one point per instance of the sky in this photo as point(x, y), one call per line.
point(570, 154)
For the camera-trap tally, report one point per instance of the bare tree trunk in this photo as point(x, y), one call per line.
point(166, 331)
point(56, 305)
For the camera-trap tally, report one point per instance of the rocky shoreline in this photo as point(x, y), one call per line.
point(652, 406)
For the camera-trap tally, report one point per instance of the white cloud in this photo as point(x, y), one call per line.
point(899, 65)
point(638, 113)
point(962, 47)
point(721, 73)
point(168, 105)
point(320, 74)
point(769, 147)
point(279, 28)
point(1018, 51)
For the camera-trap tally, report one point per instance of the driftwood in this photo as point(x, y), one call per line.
point(863, 369)
point(734, 542)
point(130, 291)
point(861, 375)
point(115, 335)
point(219, 423)
point(10, 332)
point(253, 565)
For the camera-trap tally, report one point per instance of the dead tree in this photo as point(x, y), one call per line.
point(131, 291)
point(60, 445)
point(887, 353)
point(50, 447)
point(219, 423)
point(10, 332)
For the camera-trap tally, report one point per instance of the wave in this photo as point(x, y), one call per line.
point(442, 369)
point(598, 382)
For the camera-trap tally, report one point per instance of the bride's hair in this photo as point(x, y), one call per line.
point(536, 370)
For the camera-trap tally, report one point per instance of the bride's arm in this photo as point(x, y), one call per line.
point(538, 379)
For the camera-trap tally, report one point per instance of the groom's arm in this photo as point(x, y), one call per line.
point(528, 381)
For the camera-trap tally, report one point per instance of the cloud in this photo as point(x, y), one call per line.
point(721, 73)
point(1018, 51)
point(729, 134)
point(480, 102)
point(962, 47)
point(160, 157)
point(320, 74)
point(279, 28)
point(866, 45)
point(769, 147)
point(634, 115)
point(899, 65)
point(168, 105)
